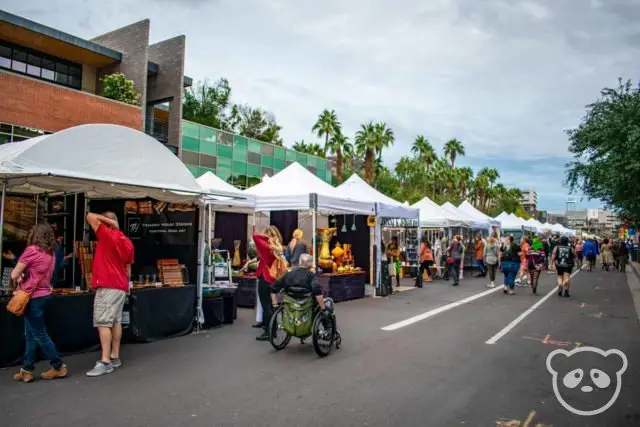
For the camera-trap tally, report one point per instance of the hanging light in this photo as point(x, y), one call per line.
point(344, 225)
point(353, 226)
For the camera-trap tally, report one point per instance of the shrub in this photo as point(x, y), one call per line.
point(117, 86)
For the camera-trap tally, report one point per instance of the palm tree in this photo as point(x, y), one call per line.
point(424, 150)
point(366, 145)
point(384, 139)
point(300, 146)
point(492, 175)
point(453, 148)
point(327, 125)
point(340, 146)
point(314, 148)
point(465, 176)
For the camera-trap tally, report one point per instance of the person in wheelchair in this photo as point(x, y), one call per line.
point(300, 277)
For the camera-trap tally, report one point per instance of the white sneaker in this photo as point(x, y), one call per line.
point(492, 285)
point(518, 281)
point(100, 369)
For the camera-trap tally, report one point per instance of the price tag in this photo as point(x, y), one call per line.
point(125, 318)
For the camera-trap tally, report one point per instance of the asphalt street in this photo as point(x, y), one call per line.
point(401, 364)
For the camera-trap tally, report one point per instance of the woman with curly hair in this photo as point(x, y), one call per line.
point(269, 247)
point(33, 275)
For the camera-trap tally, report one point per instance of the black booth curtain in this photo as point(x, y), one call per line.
point(229, 227)
point(286, 222)
point(358, 239)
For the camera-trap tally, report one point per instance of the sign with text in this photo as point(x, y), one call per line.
point(165, 228)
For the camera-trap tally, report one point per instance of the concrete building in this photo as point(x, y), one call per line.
point(529, 200)
point(51, 80)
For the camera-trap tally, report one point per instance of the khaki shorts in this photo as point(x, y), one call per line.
point(107, 307)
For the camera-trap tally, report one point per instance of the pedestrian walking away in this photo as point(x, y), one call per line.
point(563, 257)
point(623, 256)
point(32, 274)
point(525, 246)
point(589, 250)
point(454, 253)
point(491, 257)
point(606, 255)
point(426, 261)
point(269, 247)
point(110, 278)
point(579, 254)
point(479, 255)
point(510, 264)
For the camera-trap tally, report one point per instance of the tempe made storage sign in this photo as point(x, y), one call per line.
point(165, 224)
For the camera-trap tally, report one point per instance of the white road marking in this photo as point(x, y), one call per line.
point(494, 339)
point(439, 310)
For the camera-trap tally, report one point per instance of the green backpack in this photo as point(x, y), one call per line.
point(297, 316)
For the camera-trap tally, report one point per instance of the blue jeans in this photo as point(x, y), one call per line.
point(36, 335)
point(481, 267)
point(510, 270)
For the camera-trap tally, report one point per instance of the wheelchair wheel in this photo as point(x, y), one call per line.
point(278, 337)
point(324, 333)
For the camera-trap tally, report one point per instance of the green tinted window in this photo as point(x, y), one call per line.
point(253, 170)
point(224, 151)
point(207, 147)
point(191, 144)
point(223, 172)
point(239, 155)
point(239, 168)
point(224, 162)
point(302, 159)
point(195, 170)
point(311, 161)
point(254, 146)
point(279, 164)
point(328, 177)
point(208, 134)
point(240, 142)
point(190, 129)
point(291, 155)
point(204, 170)
point(267, 161)
point(280, 153)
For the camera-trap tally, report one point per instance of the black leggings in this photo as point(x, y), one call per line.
point(264, 293)
point(425, 266)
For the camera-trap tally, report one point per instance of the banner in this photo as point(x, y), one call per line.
point(165, 224)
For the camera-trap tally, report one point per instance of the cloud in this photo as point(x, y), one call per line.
point(506, 77)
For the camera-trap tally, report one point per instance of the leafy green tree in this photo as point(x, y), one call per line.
point(118, 87)
point(453, 148)
point(313, 149)
point(327, 126)
point(210, 104)
point(339, 146)
point(605, 147)
point(465, 178)
point(256, 123)
point(424, 150)
point(366, 145)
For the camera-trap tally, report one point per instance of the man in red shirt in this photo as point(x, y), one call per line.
point(110, 279)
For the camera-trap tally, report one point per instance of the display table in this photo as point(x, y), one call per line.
point(219, 306)
point(246, 294)
point(158, 313)
point(409, 270)
point(343, 286)
point(69, 320)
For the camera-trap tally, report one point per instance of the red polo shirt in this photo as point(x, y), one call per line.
point(113, 253)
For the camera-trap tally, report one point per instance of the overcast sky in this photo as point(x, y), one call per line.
point(504, 77)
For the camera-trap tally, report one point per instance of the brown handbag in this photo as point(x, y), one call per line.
point(18, 303)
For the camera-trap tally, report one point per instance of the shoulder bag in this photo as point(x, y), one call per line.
point(278, 267)
point(18, 303)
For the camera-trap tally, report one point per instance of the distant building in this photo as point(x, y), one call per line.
point(594, 221)
point(529, 201)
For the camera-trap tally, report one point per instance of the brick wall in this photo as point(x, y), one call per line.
point(32, 103)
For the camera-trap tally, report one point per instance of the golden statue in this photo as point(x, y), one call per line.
point(337, 253)
point(324, 258)
point(237, 261)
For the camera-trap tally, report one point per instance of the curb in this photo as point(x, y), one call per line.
point(633, 280)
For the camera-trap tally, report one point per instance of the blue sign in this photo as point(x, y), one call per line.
point(632, 231)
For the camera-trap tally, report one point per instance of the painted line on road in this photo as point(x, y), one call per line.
point(439, 310)
point(494, 339)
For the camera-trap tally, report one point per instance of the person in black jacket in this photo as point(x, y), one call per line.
point(299, 277)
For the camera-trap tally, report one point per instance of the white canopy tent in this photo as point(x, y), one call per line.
point(294, 188)
point(535, 225)
point(386, 207)
point(508, 222)
point(431, 214)
point(357, 189)
point(481, 220)
point(211, 183)
point(456, 218)
point(523, 223)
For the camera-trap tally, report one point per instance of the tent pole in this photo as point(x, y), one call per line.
point(75, 231)
point(37, 202)
point(314, 215)
point(4, 190)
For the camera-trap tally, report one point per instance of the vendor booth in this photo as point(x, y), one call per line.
point(157, 199)
point(295, 189)
point(511, 225)
point(390, 214)
point(480, 221)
